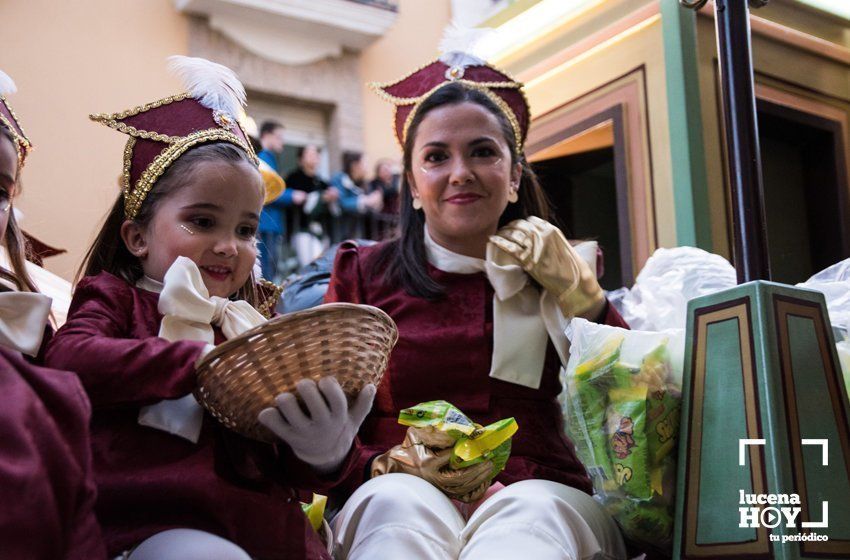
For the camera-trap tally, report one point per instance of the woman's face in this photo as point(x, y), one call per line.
point(212, 219)
point(8, 181)
point(461, 171)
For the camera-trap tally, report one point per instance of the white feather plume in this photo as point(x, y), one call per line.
point(458, 47)
point(215, 86)
point(7, 84)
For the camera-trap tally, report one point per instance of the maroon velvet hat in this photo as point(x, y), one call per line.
point(408, 93)
point(162, 131)
point(10, 120)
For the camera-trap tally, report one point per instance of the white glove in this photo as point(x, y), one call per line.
point(323, 438)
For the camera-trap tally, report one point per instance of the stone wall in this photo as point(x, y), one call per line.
point(332, 84)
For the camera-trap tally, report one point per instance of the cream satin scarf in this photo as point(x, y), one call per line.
point(23, 316)
point(189, 314)
point(524, 319)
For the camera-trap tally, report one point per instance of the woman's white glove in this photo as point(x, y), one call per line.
point(322, 439)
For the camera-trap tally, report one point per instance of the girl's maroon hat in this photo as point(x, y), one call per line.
point(9, 120)
point(162, 131)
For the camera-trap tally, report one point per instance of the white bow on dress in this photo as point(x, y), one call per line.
point(189, 313)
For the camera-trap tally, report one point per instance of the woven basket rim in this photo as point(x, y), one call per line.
point(277, 322)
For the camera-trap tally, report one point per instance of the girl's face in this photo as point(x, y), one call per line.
point(462, 173)
point(8, 181)
point(212, 219)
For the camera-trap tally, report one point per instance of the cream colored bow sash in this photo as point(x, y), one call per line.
point(524, 319)
point(23, 316)
point(189, 314)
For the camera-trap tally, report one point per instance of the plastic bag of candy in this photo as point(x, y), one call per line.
point(621, 402)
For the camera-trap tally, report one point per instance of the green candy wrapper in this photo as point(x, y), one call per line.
point(473, 443)
point(627, 447)
point(589, 390)
point(440, 415)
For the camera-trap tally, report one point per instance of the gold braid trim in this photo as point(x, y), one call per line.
point(382, 93)
point(113, 120)
point(22, 143)
point(128, 162)
point(133, 199)
point(380, 89)
point(519, 137)
point(266, 308)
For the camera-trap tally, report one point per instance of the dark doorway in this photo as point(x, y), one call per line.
point(583, 191)
point(805, 191)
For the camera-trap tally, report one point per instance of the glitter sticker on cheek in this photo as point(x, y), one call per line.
point(185, 228)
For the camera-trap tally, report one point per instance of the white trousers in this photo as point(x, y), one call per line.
point(402, 516)
point(187, 544)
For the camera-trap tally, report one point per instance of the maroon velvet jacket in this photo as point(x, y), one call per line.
point(47, 490)
point(148, 480)
point(444, 352)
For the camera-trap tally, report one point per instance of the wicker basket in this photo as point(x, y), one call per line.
point(242, 376)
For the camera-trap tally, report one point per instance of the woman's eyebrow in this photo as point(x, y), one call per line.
point(435, 144)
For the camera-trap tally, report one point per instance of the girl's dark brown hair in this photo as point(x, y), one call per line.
point(108, 252)
point(404, 259)
point(16, 243)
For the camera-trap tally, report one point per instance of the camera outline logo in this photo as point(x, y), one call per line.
point(772, 510)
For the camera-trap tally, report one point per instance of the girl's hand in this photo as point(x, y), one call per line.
point(545, 254)
point(323, 437)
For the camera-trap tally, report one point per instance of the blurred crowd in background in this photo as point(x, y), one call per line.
point(313, 211)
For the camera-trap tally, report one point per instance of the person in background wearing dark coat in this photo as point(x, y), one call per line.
point(313, 217)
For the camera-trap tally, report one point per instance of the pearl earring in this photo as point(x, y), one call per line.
point(512, 195)
point(417, 204)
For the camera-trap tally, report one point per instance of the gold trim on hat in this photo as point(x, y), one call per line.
point(485, 87)
point(133, 198)
point(113, 120)
point(380, 87)
point(177, 146)
point(498, 101)
point(22, 143)
point(267, 307)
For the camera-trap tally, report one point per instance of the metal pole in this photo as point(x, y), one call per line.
point(744, 158)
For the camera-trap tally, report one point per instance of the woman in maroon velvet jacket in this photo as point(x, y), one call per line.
point(47, 488)
point(488, 353)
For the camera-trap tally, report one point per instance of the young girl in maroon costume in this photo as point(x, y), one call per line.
point(171, 273)
point(46, 483)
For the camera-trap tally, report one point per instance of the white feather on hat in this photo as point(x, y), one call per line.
point(7, 84)
point(215, 86)
point(459, 45)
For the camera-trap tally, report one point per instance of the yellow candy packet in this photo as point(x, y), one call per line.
point(315, 511)
point(484, 441)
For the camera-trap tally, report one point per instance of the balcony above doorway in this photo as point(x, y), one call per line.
point(295, 32)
